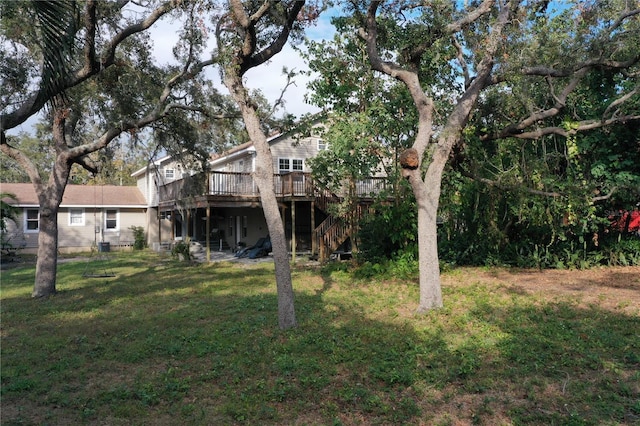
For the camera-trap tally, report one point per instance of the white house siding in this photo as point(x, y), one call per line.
point(293, 149)
point(146, 185)
point(123, 236)
point(75, 238)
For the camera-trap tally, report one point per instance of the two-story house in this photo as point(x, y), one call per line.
point(222, 208)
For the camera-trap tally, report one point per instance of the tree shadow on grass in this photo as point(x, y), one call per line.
point(569, 365)
point(179, 352)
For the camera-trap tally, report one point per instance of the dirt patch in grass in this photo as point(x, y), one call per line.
point(613, 288)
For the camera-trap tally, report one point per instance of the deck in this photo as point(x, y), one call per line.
point(231, 188)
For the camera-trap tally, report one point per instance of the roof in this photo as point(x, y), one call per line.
point(79, 195)
point(157, 163)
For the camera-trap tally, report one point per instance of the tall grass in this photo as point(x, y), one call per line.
point(168, 343)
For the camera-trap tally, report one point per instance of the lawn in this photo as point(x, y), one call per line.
point(166, 343)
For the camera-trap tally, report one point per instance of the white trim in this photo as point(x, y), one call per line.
point(106, 218)
point(157, 163)
point(26, 221)
point(290, 164)
point(227, 158)
point(288, 168)
point(301, 160)
point(82, 216)
point(102, 206)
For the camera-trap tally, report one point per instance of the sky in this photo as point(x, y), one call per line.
point(267, 77)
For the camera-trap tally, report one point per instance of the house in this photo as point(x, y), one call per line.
point(222, 208)
point(89, 216)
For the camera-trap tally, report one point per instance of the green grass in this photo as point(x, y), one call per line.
point(168, 343)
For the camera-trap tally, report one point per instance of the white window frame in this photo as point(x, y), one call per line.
point(27, 221)
point(284, 162)
point(106, 220)
point(289, 163)
point(79, 213)
point(322, 145)
point(168, 172)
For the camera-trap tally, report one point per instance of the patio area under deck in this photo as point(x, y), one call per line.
point(201, 195)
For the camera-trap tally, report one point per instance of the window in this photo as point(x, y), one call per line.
point(283, 164)
point(76, 217)
point(111, 220)
point(290, 165)
point(32, 220)
point(244, 226)
point(169, 173)
point(322, 145)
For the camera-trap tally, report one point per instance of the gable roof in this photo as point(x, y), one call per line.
point(157, 164)
point(79, 196)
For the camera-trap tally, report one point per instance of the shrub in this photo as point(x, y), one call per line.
point(139, 237)
point(181, 249)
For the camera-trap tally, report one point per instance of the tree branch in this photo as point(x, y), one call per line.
point(36, 101)
point(472, 16)
point(276, 46)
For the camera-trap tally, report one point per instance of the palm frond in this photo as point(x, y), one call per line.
point(58, 22)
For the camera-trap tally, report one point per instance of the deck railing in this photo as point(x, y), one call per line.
point(294, 184)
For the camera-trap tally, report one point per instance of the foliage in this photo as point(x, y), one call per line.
point(390, 231)
point(140, 237)
point(199, 346)
point(7, 210)
point(181, 250)
point(486, 226)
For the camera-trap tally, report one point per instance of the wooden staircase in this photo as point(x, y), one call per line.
point(333, 231)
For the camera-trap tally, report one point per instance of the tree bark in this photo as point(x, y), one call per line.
point(263, 176)
point(427, 189)
point(427, 195)
point(46, 264)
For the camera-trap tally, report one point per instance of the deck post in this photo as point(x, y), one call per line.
point(293, 230)
point(208, 231)
point(314, 247)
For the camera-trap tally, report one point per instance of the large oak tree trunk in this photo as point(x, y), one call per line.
point(427, 193)
point(46, 264)
point(264, 179)
point(430, 289)
point(50, 197)
point(263, 176)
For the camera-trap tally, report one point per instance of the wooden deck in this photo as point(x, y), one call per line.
point(231, 189)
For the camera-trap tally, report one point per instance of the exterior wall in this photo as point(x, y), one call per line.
point(78, 236)
point(14, 234)
point(28, 240)
point(147, 186)
point(286, 147)
point(233, 232)
point(81, 237)
point(239, 164)
point(293, 149)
